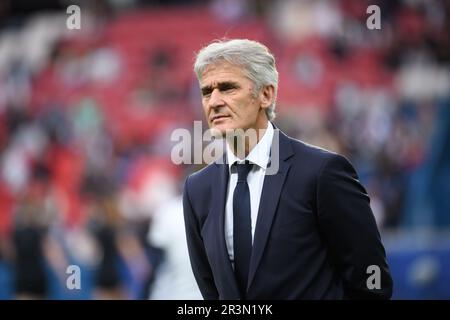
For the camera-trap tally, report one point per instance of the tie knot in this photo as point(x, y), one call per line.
point(243, 169)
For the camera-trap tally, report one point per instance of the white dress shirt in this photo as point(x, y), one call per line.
point(259, 156)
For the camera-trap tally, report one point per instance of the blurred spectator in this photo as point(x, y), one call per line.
point(104, 225)
point(174, 279)
point(30, 236)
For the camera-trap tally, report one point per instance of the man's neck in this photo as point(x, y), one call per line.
point(242, 143)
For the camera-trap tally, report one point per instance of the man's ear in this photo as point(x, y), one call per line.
point(267, 95)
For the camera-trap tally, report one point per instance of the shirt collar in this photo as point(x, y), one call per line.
point(260, 154)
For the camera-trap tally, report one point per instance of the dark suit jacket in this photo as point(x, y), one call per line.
point(315, 235)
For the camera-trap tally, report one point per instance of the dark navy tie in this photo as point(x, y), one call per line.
point(242, 227)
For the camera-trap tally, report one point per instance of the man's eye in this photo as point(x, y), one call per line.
point(227, 89)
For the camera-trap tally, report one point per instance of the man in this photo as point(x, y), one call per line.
point(305, 232)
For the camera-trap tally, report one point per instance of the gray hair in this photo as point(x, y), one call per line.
point(255, 58)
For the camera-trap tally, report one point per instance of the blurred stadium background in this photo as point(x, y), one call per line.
point(86, 117)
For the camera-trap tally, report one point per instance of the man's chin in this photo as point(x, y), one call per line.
point(218, 133)
point(221, 132)
point(227, 132)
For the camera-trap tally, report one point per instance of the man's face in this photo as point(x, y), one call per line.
point(228, 100)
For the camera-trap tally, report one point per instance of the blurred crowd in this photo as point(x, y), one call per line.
point(86, 118)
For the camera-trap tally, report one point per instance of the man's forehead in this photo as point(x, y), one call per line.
point(221, 72)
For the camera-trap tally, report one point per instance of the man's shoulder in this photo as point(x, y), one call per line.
point(200, 184)
point(310, 151)
point(319, 157)
point(204, 174)
point(315, 157)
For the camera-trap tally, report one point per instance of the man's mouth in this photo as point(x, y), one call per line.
point(218, 118)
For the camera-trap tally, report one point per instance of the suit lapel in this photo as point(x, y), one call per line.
point(270, 196)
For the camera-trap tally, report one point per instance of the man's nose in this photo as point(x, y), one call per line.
point(216, 100)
